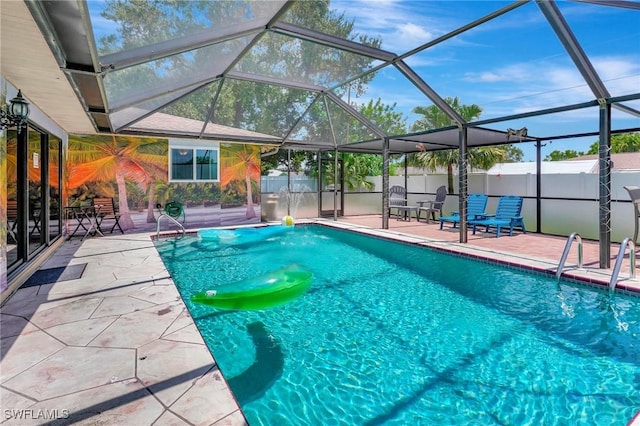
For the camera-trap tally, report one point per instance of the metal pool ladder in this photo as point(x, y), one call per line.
point(172, 220)
point(575, 236)
point(628, 242)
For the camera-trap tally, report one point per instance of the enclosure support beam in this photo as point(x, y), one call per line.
point(385, 183)
point(604, 158)
point(289, 182)
point(319, 190)
point(406, 176)
point(336, 180)
point(462, 182)
point(539, 146)
point(335, 161)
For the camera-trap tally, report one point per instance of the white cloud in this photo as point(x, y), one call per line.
point(511, 73)
point(521, 87)
point(402, 26)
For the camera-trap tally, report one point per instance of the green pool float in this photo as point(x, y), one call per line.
point(275, 288)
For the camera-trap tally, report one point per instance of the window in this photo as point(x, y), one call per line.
point(193, 162)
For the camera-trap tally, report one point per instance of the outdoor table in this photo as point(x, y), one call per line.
point(406, 212)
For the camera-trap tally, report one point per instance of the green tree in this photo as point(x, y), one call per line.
point(514, 154)
point(433, 118)
point(282, 160)
point(621, 142)
point(263, 108)
point(384, 116)
point(357, 167)
point(562, 155)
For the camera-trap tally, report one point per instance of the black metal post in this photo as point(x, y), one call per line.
point(385, 183)
point(462, 182)
point(604, 157)
point(538, 185)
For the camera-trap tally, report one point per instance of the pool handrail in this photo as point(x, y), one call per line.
point(627, 242)
point(172, 220)
point(574, 236)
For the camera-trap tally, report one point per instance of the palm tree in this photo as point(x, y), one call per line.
point(120, 158)
point(241, 163)
point(434, 118)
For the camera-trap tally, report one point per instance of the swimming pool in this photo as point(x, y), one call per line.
point(391, 333)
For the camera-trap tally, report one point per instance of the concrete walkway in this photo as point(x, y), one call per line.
point(116, 346)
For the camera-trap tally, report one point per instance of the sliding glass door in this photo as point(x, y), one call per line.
point(34, 180)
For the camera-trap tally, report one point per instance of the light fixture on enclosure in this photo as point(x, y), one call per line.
point(16, 115)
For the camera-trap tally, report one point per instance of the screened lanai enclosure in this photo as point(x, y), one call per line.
point(314, 75)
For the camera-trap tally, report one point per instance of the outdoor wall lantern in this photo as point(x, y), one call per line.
point(16, 115)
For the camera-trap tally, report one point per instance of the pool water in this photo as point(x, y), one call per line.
point(391, 333)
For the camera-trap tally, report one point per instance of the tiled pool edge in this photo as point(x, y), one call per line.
point(595, 278)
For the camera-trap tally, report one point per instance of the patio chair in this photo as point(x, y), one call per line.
point(431, 207)
point(12, 220)
point(476, 203)
point(507, 215)
point(397, 198)
point(105, 208)
point(634, 194)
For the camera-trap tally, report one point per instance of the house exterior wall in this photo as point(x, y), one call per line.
point(134, 171)
point(98, 164)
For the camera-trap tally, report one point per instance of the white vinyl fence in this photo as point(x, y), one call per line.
point(569, 202)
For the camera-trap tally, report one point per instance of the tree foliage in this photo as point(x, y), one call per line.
point(513, 154)
point(263, 108)
point(356, 166)
point(384, 116)
point(433, 118)
point(621, 142)
point(558, 155)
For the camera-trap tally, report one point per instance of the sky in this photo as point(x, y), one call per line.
point(512, 64)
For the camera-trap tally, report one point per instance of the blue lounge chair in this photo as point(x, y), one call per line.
point(507, 215)
point(476, 203)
